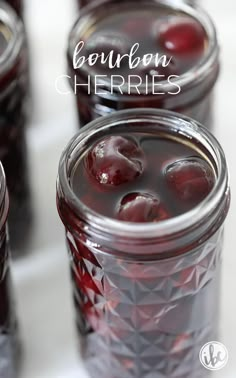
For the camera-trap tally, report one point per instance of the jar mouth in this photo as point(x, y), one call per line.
point(197, 74)
point(9, 18)
point(182, 126)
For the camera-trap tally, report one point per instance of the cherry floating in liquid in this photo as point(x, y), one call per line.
point(141, 207)
point(191, 180)
point(114, 161)
point(182, 36)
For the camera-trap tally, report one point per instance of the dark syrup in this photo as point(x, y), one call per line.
point(159, 156)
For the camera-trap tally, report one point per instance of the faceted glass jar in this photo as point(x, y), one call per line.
point(8, 329)
point(146, 294)
point(13, 111)
point(189, 93)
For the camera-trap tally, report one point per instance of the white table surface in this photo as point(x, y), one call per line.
point(42, 276)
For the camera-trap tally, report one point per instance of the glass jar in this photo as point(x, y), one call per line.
point(8, 330)
point(146, 294)
point(17, 5)
point(97, 89)
point(83, 3)
point(13, 113)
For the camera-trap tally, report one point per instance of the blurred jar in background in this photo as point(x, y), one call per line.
point(83, 3)
point(181, 79)
point(9, 343)
point(14, 87)
point(17, 5)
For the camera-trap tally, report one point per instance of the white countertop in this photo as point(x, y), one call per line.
point(42, 276)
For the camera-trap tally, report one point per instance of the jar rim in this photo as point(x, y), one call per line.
point(145, 231)
point(9, 17)
point(196, 74)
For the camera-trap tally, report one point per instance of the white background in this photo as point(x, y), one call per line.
point(42, 276)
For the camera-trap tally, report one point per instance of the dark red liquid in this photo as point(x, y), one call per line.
point(141, 318)
point(179, 37)
point(172, 173)
point(157, 29)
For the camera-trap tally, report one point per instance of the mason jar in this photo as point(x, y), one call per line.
point(146, 294)
point(184, 84)
point(14, 88)
point(9, 344)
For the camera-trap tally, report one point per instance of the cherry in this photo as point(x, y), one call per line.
point(114, 161)
point(182, 36)
point(191, 180)
point(141, 207)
